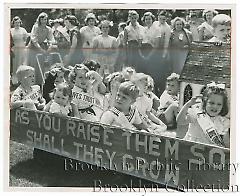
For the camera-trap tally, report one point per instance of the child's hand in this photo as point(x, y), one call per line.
point(40, 106)
point(195, 100)
point(94, 75)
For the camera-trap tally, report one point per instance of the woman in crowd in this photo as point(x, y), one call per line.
point(105, 49)
point(19, 37)
point(133, 35)
point(41, 42)
point(88, 32)
point(205, 29)
point(148, 43)
point(180, 41)
point(74, 56)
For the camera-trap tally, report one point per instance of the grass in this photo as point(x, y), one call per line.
point(28, 172)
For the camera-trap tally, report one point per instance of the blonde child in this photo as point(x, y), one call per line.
point(123, 114)
point(221, 28)
point(114, 80)
point(27, 94)
point(61, 103)
point(169, 101)
point(84, 92)
point(144, 105)
point(209, 124)
point(128, 72)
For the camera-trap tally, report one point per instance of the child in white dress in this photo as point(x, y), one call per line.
point(209, 124)
point(89, 105)
point(61, 103)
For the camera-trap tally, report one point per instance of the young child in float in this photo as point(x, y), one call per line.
point(128, 72)
point(123, 114)
point(53, 77)
point(221, 28)
point(61, 103)
point(85, 84)
point(207, 124)
point(27, 94)
point(144, 105)
point(169, 101)
point(152, 96)
point(114, 80)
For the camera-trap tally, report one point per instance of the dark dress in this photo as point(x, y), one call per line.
point(77, 56)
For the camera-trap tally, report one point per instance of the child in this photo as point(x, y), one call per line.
point(27, 95)
point(168, 108)
point(114, 81)
point(123, 114)
point(208, 125)
point(221, 28)
point(144, 105)
point(84, 92)
point(128, 72)
point(62, 96)
point(53, 77)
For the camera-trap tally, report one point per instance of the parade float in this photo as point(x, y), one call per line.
point(160, 159)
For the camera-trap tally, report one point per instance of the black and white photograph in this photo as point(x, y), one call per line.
point(121, 97)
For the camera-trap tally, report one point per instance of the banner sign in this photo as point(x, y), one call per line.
point(164, 160)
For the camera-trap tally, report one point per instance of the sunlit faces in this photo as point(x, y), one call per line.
point(60, 98)
point(60, 78)
point(222, 31)
point(43, 21)
point(82, 81)
point(209, 16)
point(123, 101)
point(178, 25)
point(172, 87)
point(91, 22)
point(162, 19)
point(28, 79)
point(148, 20)
point(214, 105)
point(17, 23)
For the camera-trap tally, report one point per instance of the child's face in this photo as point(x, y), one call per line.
point(82, 81)
point(122, 101)
point(172, 87)
point(60, 98)
point(28, 79)
point(60, 78)
point(222, 32)
point(214, 105)
point(142, 84)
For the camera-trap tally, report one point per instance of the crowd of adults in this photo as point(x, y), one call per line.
point(147, 43)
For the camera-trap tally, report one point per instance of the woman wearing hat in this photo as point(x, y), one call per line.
point(88, 32)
